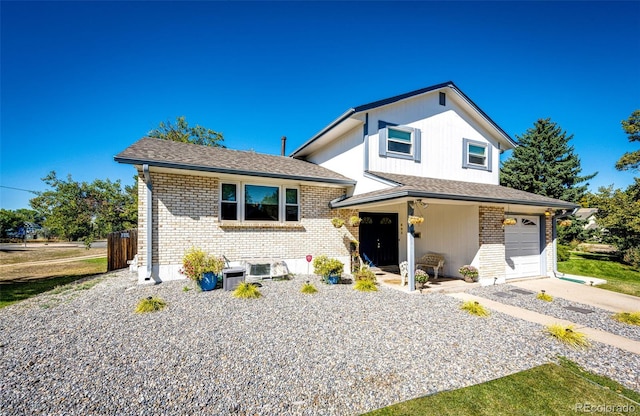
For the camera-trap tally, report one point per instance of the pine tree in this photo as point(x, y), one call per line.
point(545, 164)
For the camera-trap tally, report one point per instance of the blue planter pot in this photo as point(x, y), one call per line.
point(333, 279)
point(208, 282)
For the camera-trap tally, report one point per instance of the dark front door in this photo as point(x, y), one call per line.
point(379, 238)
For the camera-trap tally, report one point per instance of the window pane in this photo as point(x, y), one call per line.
point(399, 135)
point(228, 192)
point(229, 211)
point(476, 160)
point(261, 202)
point(477, 150)
point(398, 147)
point(292, 213)
point(292, 196)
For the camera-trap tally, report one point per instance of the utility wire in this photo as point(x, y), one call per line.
point(20, 189)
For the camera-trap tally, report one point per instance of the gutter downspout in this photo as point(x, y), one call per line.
point(149, 214)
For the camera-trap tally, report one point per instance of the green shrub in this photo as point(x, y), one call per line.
point(563, 252)
point(364, 274)
point(365, 285)
point(567, 335)
point(474, 308)
point(150, 304)
point(324, 266)
point(632, 257)
point(308, 288)
point(631, 318)
point(544, 296)
point(246, 290)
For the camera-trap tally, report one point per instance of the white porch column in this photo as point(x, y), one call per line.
point(411, 252)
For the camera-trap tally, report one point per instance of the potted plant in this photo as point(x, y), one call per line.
point(509, 221)
point(330, 269)
point(421, 277)
point(415, 220)
point(469, 273)
point(202, 268)
point(354, 220)
point(337, 222)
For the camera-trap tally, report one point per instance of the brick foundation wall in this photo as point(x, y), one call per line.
point(491, 241)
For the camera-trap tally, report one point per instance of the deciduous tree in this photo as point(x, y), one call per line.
point(182, 132)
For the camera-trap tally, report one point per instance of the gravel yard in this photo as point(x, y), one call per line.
point(337, 352)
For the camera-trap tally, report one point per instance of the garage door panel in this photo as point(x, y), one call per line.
point(522, 247)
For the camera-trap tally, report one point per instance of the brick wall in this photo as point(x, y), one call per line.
point(491, 241)
point(548, 233)
point(185, 214)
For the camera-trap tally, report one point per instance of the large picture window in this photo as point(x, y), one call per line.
point(261, 203)
point(253, 202)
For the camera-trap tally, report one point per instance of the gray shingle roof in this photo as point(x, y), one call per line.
point(169, 154)
point(420, 187)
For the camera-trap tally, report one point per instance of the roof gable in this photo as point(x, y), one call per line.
point(353, 114)
point(170, 154)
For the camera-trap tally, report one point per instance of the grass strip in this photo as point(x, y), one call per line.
point(551, 389)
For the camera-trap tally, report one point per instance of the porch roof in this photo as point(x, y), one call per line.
point(176, 155)
point(421, 187)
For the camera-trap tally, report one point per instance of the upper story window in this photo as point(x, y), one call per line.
point(401, 142)
point(252, 202)
point(476, 155)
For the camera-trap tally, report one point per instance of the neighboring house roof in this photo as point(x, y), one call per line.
point(350, 113)
point(176, 155)
point(585, 213)
point(420, 187)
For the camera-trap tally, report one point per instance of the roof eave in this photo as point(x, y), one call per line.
point(324, 131)
point(452, 197)
point(169, 165)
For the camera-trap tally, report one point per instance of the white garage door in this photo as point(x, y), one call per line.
point(522, 247)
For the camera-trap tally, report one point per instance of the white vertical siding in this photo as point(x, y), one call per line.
point(451, 230)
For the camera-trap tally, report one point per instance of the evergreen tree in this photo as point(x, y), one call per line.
point(631, 126)
point(545, 164)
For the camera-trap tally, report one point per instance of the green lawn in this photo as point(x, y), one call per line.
point(620, 277)
point(551, 389)
point(16, 291)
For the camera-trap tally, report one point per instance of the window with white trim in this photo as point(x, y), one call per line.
point(259, 202)
point(476, 155)
point(396, 141)
point(292, 205)
point(229, 202)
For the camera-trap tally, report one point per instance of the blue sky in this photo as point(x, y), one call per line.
point(80, 81)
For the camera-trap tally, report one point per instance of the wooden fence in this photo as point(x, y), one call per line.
point(122, 246)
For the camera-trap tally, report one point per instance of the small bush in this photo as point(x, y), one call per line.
point(150, 304)
point(364, 274)
point(246, 290)
point(474, 308)
point(567, 335)
point(544, 296)
point(309, 289)
point(632, 257)
point(631, 318)
point(563, 252)
point(365, 286)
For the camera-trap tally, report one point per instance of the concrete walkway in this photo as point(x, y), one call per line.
point(579, 293)
point(531, 316)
